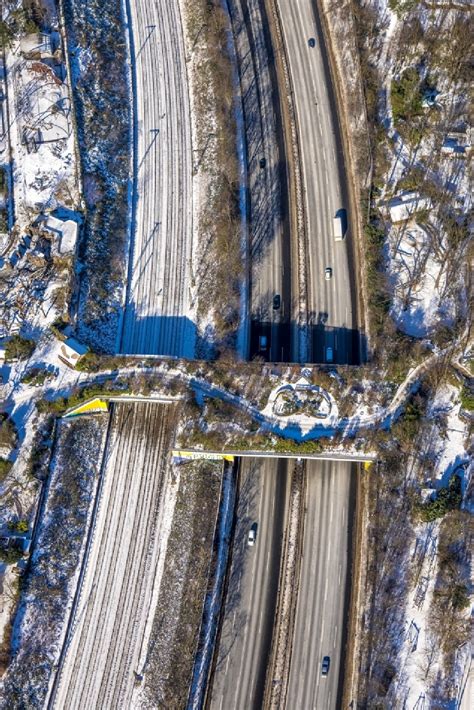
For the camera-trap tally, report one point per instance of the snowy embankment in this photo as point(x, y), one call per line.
point(212, 605)
point(101, 97)
point(55, 562)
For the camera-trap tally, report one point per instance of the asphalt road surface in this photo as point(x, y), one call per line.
point(245, 640)
point(111, 623)
point(321, 612)
point(331, 303)
point(269, 247)
point(158, 303)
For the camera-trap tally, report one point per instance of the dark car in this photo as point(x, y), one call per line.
point(312, 42)
point(263, 162)
point(276, 301)
point(325, 665)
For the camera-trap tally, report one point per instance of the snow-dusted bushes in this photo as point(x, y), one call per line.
point(49, 581)
point(101, 94)
point(219, 267)
point(415, 68)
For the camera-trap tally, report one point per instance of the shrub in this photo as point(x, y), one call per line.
point(5, 467)
point(406, 97)
point(448, 498)
point(36, 376)
point(12, 553)
point(18, 526)
point(291, 446)
point(19, 348)
point(8, 433)
point(467, 399)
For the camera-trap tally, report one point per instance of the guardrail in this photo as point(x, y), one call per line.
point(324, 456)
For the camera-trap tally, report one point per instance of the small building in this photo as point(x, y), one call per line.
point(37, 46)
point(406, 205)
point(456, 143)
point(71, 351)
point(65, 232)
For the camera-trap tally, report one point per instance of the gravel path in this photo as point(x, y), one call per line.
point(158, 312)
point(110, 629)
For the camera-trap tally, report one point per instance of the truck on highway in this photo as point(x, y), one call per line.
point(339, 225)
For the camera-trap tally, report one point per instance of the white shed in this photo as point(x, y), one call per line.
point(403, 207)
point(71, 351)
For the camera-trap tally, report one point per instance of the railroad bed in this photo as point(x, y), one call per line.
point(108, 635)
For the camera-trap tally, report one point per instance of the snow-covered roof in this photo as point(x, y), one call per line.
point(37, 43)
point(71, 352)
point(456, 142)
point(402, 207)
point(66, 230)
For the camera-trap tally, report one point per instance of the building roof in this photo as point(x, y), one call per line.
point(402, 207)
point(71, 351)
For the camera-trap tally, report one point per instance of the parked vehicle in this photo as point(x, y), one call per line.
point(276, 301)
point(328, 273)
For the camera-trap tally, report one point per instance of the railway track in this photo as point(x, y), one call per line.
point(124, 562)
point(158, 301)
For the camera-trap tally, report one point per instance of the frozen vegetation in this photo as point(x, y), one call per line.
point(168, 668)
point(51, 576)
point(39, 191)
point(412, 148)
point(98, 57)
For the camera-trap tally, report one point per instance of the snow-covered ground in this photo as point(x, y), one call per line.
point(422, 298)
point(452, 441)
point(50, 582)
point(426, 273)
point(41, 134)
point(36, 255)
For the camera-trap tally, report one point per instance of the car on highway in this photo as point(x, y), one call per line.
point(312, 42)
point(325, 665)
point(252, 535)
point(328, 273)
point(276, 301)
point(329, 354)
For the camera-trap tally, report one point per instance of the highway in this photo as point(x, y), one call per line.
point(157, 316)
point(321, 612)
point(331, 304)
point(246, 634)
point(269, 245)
point(109, 630)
